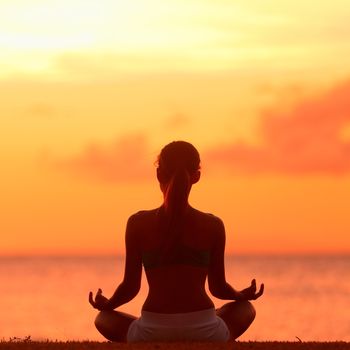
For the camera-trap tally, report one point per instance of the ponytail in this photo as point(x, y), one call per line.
point(176, 194)
point(175, 203)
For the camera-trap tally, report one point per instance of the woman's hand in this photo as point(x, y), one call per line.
point(250, 292)
point(100, 302)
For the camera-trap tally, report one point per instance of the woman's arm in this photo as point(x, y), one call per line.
point(218, 285)
point(131, 283)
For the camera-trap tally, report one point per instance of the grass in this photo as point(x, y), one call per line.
point(27, 344)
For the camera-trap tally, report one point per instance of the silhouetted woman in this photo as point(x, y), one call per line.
point(179, 247)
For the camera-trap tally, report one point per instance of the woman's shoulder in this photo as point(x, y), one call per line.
point(142, 215)
point(209, 218)
point(140, 223)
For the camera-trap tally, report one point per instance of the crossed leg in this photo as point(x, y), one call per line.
point(238, 316)
point(114, 325)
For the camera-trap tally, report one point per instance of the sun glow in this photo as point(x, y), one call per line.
point(83, 82)
point(151, 35)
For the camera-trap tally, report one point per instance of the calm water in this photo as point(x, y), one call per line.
point(307, 297)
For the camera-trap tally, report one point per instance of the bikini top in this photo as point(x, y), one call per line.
point(180, 255)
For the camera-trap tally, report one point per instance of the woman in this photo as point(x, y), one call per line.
point(179, 247)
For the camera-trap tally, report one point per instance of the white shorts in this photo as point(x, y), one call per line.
point(202, 325)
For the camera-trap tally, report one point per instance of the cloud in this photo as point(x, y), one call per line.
point(116, 65)
point(126, 159)
point(305, 140)
point(312, 137)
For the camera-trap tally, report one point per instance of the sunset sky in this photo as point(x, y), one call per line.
point(91, 91)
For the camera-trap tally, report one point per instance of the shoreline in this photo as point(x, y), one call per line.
point(18, 344)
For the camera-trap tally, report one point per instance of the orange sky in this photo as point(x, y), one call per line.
point(90, 92)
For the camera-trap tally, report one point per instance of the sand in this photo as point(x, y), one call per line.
point(50, 345)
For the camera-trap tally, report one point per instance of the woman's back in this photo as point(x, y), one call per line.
point(176, 272)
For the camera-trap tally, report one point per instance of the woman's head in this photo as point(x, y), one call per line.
point(178, 169)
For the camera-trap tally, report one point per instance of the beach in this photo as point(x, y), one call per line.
point(50, 345)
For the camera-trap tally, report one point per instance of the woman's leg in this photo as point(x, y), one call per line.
point(238, 316)
point(113, 325)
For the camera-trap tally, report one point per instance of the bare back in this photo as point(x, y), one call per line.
point(177, 288)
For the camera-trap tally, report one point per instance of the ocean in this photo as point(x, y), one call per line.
point(306, 297)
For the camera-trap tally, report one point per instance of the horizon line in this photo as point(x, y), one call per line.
point(122, 255)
